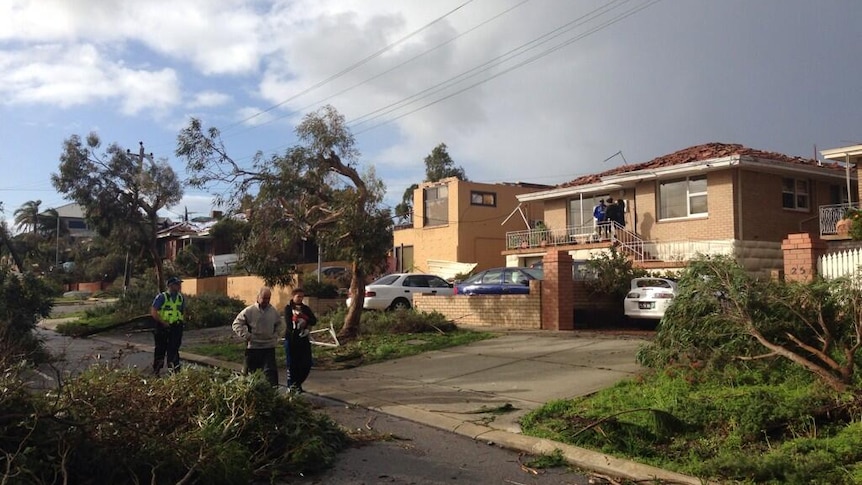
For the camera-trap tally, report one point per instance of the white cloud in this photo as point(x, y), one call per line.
point(68, 76)
point(209, 99)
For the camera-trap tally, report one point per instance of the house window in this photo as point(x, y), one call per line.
point(436, 205)
point(581, 210)
point(794, 194)
point(682, 198)
point(76, 224)
point(483, 198)
point(838, 194)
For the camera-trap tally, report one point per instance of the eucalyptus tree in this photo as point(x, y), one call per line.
point(438, 166)
point(119, 193)
point(312, 191)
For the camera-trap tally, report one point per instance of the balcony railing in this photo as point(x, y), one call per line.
point(629, 242)
point(830, 215)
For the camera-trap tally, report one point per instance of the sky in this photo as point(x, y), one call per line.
point(538, 91)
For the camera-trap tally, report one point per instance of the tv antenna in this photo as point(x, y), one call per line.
point(620, 153)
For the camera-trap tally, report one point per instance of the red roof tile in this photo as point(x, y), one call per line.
point(707, 151)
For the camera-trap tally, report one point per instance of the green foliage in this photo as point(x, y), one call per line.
point(748, 426)
point(230, 231)
point(325, 288)
point(190, 261)
point(120, 193)
point(206, 310)
point(724, 317)
point(202, 311)
point(855, 217)
point(614, 273)
point(439, 165)
point(117, 426)
point(555, 459)
point(384, 335)
point(24, 300)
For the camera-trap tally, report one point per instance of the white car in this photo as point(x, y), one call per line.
point(395, 291)
point(648, 298)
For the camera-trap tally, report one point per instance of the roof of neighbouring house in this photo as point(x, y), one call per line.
point(707, 151)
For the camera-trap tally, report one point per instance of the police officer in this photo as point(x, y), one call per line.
point(167, 312)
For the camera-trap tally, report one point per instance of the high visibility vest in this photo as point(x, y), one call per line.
point(172, 309)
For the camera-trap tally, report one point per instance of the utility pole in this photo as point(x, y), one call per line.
point(127, 271)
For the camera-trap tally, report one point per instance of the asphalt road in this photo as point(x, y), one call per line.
point(398, 451)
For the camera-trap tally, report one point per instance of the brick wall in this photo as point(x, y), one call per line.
point(800, 256)
point(500, 311)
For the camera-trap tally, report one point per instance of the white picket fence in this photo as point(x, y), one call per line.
point(840, 264)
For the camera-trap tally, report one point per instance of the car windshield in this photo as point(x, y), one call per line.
point(536, 273)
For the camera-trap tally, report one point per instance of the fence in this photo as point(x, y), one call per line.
point(839, 264)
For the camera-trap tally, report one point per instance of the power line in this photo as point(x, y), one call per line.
point(393, 107)
point(393, 68)
point(354, 65)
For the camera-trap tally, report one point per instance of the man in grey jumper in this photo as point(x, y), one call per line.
point(260, 326)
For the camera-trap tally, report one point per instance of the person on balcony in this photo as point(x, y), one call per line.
point(599, 214)
point(614, 214)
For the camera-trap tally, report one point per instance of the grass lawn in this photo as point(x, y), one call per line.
point(365, 350)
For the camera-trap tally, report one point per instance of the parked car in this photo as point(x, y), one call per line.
point(648, 298)
point(395, 291)
point(332, 271)
point(499, 281)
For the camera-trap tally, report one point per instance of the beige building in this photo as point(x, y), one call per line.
point(465, 222)
point(712, 198)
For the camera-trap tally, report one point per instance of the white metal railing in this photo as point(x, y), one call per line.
point(830, 215)
point(538, 238)
point(629, 242)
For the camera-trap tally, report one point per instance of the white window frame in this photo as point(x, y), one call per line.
point(796, 194)
point(688, 196)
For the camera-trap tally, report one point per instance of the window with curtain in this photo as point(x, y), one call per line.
point(436, 205)
point(682, 198)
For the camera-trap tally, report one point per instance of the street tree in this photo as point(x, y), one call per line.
point(438, 166)
point(310, 192)
point(6, 241)
point(27, 216)
point(119, 193)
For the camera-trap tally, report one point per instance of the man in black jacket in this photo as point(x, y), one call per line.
point(297, 346)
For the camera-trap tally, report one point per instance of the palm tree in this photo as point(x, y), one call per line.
point(27, 216)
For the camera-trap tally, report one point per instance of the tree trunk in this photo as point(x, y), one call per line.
point(352, 320)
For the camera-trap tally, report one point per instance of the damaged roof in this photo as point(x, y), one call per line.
point(698, 153)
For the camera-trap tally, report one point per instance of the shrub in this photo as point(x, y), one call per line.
point(24, 300)
point(197, 426)
point(397, 322)
point(204, 311)
point(324, 288)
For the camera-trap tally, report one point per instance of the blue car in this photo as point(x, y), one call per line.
point(499, 281)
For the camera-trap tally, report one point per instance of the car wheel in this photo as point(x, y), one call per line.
point(400, 304)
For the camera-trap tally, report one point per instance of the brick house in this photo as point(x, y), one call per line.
point(460, 221)
point(711, 198)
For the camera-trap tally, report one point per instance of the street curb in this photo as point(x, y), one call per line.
point(579, 457)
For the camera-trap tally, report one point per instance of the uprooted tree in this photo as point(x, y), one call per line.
point(310, 192)
point(724, 316)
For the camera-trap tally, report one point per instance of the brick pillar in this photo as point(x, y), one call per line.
point(558, 292)
point(800, 256)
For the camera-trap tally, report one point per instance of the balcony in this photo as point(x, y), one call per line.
point(628, 242)
point(829, 217)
